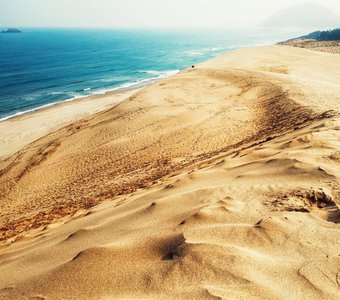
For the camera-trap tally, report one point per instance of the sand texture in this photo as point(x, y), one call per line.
point(221, 182)
point(323, 46)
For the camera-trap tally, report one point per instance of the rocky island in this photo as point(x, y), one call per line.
point(11, 30)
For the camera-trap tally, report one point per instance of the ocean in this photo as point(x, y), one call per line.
point(41, 67)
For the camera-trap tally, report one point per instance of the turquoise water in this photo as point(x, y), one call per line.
point(40, 67)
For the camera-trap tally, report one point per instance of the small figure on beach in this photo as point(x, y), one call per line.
point(193, 66)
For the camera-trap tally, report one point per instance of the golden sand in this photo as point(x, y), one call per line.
point(221, 182)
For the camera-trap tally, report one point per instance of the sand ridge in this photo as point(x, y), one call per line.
point(221, 182)
point(257, 223)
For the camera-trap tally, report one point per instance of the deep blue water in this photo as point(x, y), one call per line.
point(43, 66)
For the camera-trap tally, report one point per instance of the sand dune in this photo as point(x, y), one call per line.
point(221, 182)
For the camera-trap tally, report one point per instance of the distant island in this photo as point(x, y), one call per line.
point(11, 30)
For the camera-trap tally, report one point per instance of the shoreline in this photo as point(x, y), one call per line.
point(71, 100)
point(21, 130)
point(128, 86)
point(16, 133)
point(125, 87)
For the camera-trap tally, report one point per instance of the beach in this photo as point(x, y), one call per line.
point(221, 182)
point(19, 131)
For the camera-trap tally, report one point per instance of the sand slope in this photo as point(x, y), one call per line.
point(229, 183)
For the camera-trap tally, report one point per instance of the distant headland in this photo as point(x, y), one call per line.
point(11, 30)
point(325, 41)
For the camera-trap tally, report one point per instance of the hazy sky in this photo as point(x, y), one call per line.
point(142, 13)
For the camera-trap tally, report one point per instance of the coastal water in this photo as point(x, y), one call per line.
point(40, 67)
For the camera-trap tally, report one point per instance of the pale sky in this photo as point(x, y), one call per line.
point(142, 13)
